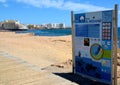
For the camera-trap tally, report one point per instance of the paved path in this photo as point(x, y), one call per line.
point(14, 71)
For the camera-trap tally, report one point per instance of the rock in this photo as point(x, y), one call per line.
point(68, 63)
point(118, 55)
point(58, 65)
point(118, 60)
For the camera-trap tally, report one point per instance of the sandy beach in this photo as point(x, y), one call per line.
point(22, 54)
point(46, 59)
point(39, 50)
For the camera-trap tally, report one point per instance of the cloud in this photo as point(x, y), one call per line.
point(2, 1)
point(62, 4)
point(5, 5)
point(83, 7)
point(43, 3)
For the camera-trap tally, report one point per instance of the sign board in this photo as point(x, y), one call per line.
point(93, 45)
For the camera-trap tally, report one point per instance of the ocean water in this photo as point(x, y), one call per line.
point(53, 32)
point(48, 32)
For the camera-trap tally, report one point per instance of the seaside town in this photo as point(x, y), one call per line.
point(59, 42)
point(16, 24)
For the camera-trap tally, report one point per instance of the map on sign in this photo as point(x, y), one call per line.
point(88, 30)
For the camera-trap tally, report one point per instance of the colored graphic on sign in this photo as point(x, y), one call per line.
point(96, 51)
point(93, 45)
point(80, 18)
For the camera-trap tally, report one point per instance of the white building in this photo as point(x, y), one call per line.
point(60, 25)
point(55, 25)
point(11, 24)
point(22, 26)
point(49, 26)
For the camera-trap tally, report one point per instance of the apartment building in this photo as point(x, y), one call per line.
point(55, 25)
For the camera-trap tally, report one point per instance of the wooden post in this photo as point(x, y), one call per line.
point(115, 39)
point(73, 34)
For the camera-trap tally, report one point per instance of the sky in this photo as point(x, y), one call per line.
point(51, 11)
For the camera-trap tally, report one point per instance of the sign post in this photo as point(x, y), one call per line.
point(94, 37)
point(115, 39)
point(73, 33)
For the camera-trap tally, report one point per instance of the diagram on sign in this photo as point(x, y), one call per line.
point(96, 51)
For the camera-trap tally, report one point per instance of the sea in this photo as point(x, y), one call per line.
point(48, 32)
point(53, 32)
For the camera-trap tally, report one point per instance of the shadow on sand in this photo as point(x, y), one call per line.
point(78, 79)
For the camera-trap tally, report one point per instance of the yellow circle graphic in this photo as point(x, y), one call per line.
point(96, 51)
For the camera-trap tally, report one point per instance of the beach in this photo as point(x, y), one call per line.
point(39, 50)
point(42, 57)
point(20, 52)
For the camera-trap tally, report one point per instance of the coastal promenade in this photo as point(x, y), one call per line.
point(14, 71)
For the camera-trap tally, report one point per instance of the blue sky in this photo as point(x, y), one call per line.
point(50, 11)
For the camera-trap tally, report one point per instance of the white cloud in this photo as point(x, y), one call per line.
point(5, 5)
point(62, 4)
point(83, 7)
point(43, 3)
point(2, 1)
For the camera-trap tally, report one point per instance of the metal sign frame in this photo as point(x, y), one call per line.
point(114, 51)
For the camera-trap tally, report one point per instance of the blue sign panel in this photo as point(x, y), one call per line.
point(88, 30)
point(93, 45)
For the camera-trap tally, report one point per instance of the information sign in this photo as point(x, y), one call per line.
point(93, 38)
